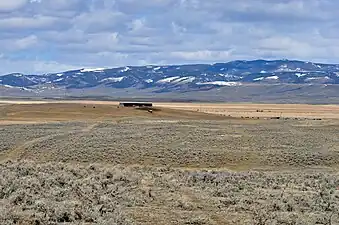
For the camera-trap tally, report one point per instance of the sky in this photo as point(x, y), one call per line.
point(42, 36)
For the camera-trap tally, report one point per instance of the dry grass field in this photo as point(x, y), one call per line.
point(261, 110)
point(95, 163)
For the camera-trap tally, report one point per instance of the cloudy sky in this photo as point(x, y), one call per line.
point(38, 36)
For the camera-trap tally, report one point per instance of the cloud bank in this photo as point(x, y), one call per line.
point(38, 36)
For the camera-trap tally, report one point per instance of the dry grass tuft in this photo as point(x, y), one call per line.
point(92, 194)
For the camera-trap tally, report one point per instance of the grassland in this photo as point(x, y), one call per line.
point(94, 163)
point(261, 110)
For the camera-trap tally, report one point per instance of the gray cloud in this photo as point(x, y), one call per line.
point(8, 6)
point(51, 35)
point(18, 24)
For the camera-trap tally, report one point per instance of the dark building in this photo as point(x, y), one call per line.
point(135, 104)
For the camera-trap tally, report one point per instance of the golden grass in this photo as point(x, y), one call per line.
point(261, 110)
point(232, 109)
point(49, 112)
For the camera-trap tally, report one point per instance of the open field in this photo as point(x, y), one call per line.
point(232, 109)
point(94, 163)
point(261, 110)
point(40, 112)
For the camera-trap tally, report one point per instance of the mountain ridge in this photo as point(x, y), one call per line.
point(188, 78)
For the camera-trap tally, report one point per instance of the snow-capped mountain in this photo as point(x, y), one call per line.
point(181, 77)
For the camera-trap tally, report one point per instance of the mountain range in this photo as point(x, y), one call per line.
point(173, 79)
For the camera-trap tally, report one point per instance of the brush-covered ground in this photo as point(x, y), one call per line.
point(92, 165)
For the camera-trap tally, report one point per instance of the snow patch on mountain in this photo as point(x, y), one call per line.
point(97, 70)
point(167, 80)
point(272, 78)
point(57, 80)
point(317, 78)
point(230, 76)
point(300, 74)
point(13, 87)
point(285, 68)
point(266, 78)
point(176, 80)
point(32, 79)
point(149, 81)
point(259, 78)
point(189, 80)
point(113, 79)
point(60, 74)
point(183, 80)
point(125, 69)
point(221, 83)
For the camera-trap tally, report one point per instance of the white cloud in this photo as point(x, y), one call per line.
point(52, 34)
point(17, 24)
point(99, 21)
point(51, 66)
point(11, 5)
point(204, 55)
point(13, 45)
point(25, 42)
point(34, 66)
point(61, 4)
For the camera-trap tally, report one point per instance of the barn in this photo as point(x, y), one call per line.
point(135, 104)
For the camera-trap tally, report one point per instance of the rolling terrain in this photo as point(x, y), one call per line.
point(277, 81)
point(88, 162)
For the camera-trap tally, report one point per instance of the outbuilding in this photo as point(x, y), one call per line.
point(135, 104)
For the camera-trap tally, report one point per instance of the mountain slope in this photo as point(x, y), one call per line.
point(168, 80)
